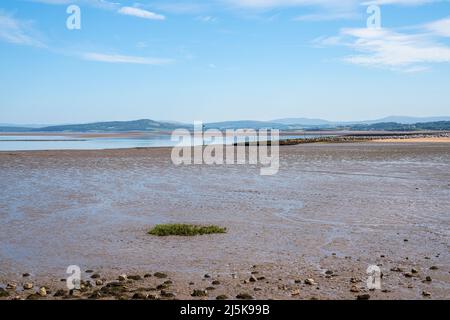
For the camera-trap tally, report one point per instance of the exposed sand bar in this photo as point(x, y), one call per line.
point(332, 207)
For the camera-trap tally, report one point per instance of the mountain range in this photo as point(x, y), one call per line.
point(388, 123)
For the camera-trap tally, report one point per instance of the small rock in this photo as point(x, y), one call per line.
point(95, 295)
point(33, 296)
point(3, 293)
point(434, 268)
point(26, 274)
point(405, 240)
point(428, 279)
point(310, 282)
point(135, 277)
point(166, 294)
point(42, 292)
point(75, 293)
point(295, 292)
point(297, 281)
point(60, 293)
point(210, 289)
point(397, 269)
point(329, 272)
point(408, 275)
point(199, 293)
point(414, 270)
point(354, 289)
point(252, 279)
point(207, 276)
point(260, 278)
point(162, 286)
point(122, 277)
point(354, 280)
point(215, 282)
point(244, 296)
point(160, 275)
point(168, 282)
point(28, 285)
point(89, 271)
point(139, 296)
point(147, 275)
point(98, 282)
point(363, 297)
point(222, 297)
point(11, 286)
point(426, 293)
point(95, 276)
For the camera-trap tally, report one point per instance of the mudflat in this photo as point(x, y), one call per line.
point(332, 211)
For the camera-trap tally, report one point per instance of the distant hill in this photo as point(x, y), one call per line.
point(393, 126)
point(303, 121)
point(155, 126)
point(306, 122)
point(408, 120)
point(113, 126)
point(245, 124)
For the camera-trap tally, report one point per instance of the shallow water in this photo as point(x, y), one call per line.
point(36, 143)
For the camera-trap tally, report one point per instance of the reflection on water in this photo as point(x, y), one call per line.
point(28, 143)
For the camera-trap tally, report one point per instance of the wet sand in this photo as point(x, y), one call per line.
point(333, 210)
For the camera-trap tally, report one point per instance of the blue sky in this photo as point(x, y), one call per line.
point(222, 60)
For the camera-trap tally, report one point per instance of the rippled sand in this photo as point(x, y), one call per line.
point(331, 207)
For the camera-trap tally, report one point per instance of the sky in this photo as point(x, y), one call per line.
point(222, 60)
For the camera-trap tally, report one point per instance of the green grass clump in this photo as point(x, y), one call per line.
point(163, 230)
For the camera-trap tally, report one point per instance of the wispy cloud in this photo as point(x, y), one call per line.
point(116, 58)
point(140, 13)
point(17, 31)
point(390, 49)
point(439, 27)
point(103, 4)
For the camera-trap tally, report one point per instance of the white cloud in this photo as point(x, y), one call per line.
point(440, 27)
point(389, 49)
point(116, 58)
point(140, 13)
point(16, 31)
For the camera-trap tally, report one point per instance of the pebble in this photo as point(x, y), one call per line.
point(160, 275)
point(60, 293)
point(397, 269)
point(295, 292)
point(139, 296)
point(11, 286)
point(408, 275)
point(261, 278)
point(199, 293)
point(434, 268)
point(166, 294)
point(147, 275)
point(25, 275)
point(329, 272)
point(122, 277)
point(89, 271)
point(414, 270)
point(354, 289)
point(363, 297)
point(98, 282)
point(244, 296)
point(310, 282)
point(252, 279)
point(95, 276)
point(135, 277)
point(42, 292)
point(207, 276)
point(28, 285)
point(3, 293)
point(215, 282)
point(428, 279)
point(426, 293)
point(222, 297)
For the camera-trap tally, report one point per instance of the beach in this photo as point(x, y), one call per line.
point(332, 211)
